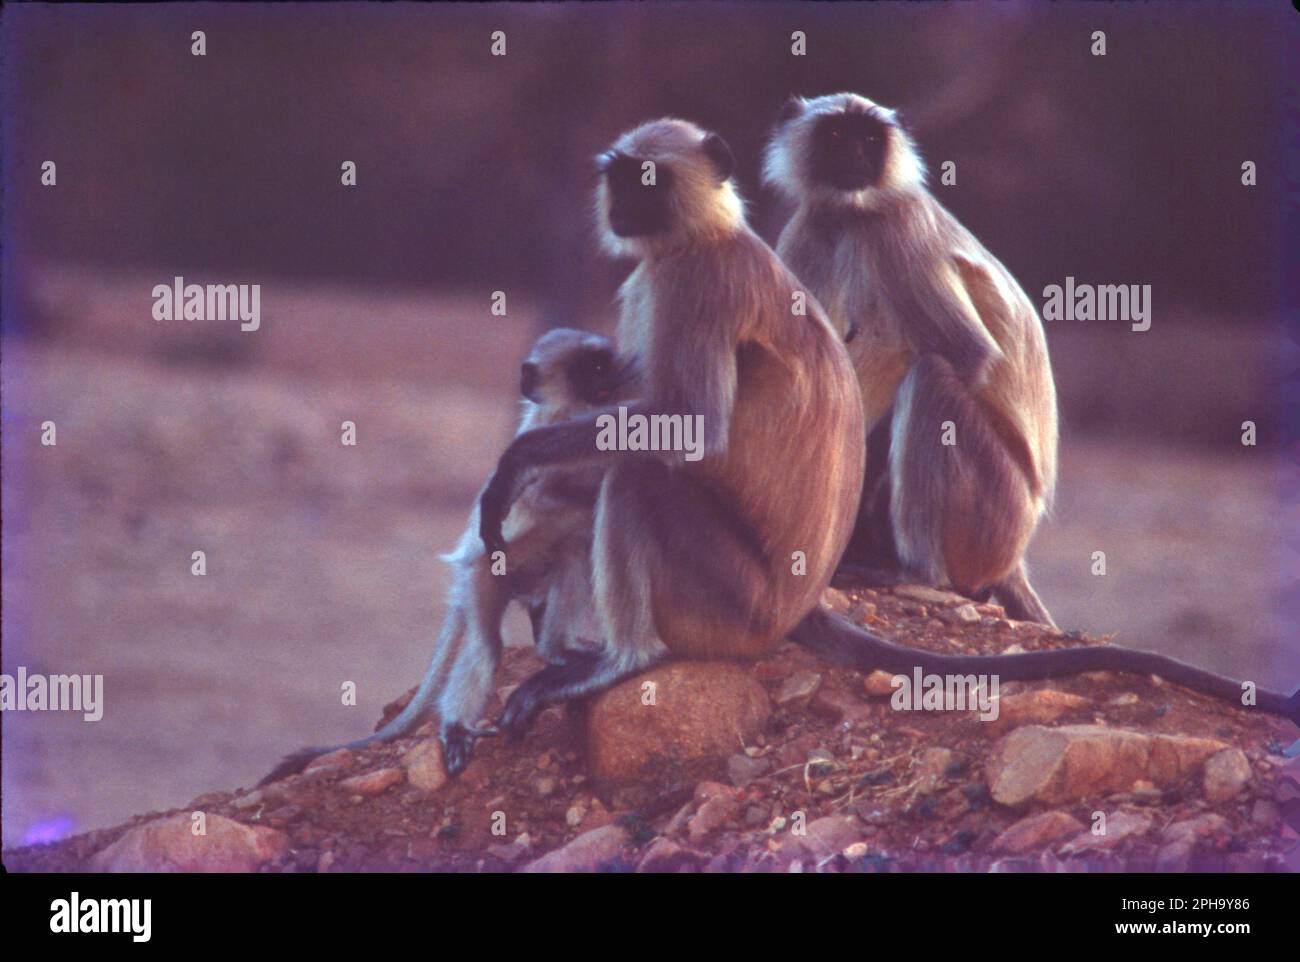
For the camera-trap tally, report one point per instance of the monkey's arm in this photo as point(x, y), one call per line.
point(697, 374)
point(569, 442)
point(938, 316)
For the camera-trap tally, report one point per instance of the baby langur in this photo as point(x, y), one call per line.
point(567, 373)
point(727, 555)
point(949, 352)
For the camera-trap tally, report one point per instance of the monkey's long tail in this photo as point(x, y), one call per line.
point(839, 640)
point(401, 724)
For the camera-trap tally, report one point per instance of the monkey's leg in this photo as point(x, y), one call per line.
point(962, 509)
point(465, 695)
point(568, 604)
point(871, 556)
point(1020, 600)
point(537, 618)
point(666, 557)
point(620, 592)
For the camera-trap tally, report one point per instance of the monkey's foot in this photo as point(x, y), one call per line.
point(522, 708)
point(458, 744)
point(538, 691)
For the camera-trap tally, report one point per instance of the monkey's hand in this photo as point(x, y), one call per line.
point(494, 505)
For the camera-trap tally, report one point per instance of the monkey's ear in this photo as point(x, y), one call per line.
point(529, 376)
point(791, 109)
point(724, 161)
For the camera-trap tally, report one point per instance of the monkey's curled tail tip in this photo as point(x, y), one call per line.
point(291, 765)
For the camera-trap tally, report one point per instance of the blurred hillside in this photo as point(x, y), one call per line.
point(474, 170)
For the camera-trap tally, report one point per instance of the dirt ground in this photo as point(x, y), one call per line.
point(878, 790)
point(322, 560)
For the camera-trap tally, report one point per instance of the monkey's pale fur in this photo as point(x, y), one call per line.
point(786, 169)
point(938, 331)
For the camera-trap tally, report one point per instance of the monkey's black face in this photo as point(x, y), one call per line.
point(593, 376)
point(636, 208)
point(848, 151)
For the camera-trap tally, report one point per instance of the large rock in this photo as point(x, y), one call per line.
point(586, 853)
point(702, 712)
point(170, 845)
point(1056, 765)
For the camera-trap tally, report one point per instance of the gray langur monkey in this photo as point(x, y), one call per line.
point(548, 570)
point(721, 556)
point(727, 555)
point(949, 351)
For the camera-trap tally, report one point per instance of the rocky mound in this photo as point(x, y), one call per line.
point(787, 765)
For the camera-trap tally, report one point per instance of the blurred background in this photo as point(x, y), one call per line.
point(474, 175)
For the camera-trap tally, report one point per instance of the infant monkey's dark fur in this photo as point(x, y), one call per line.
point(548, 570)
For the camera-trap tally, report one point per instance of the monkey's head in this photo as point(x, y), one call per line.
point(841, 149)
point(569, 369)
point(663, 183)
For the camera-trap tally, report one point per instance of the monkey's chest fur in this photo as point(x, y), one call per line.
point(881, 361)
point(838, 272)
